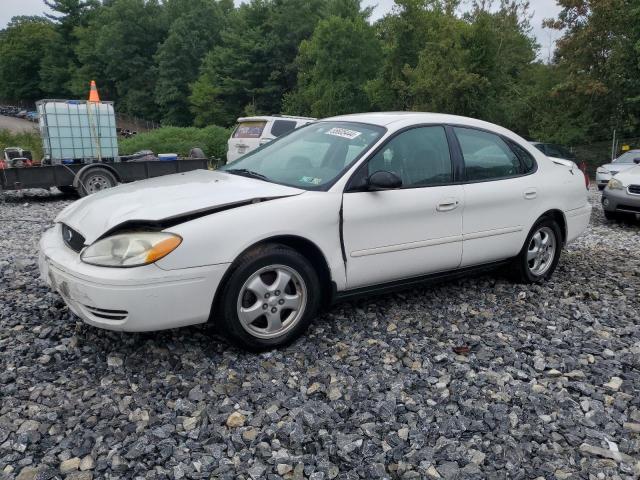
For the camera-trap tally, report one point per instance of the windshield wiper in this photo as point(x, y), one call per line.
point(247, 173)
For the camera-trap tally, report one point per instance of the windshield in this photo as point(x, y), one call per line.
point(627, 157)
point(311, 157)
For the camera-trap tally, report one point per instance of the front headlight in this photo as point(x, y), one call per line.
point(615, 184)
point(602, 170)
point(131, 249)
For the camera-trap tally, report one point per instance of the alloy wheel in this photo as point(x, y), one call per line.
point(541, 251)
point(272, 301)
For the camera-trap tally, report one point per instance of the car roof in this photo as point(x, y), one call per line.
point(260, 118)
point(398, 120)
point(385, 119)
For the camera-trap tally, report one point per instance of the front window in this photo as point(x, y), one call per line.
point(628, 157)
point(420, 157)
point(312, 157)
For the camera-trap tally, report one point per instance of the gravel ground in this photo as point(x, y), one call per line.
point(473, 379)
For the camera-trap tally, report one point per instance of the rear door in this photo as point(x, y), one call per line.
point(500, 196)
point(245, 138)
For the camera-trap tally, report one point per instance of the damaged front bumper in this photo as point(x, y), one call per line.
point(135, 299)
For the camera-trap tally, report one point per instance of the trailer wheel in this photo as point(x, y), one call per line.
point(95, 180)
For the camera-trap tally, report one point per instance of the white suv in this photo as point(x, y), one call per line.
point(251, 132)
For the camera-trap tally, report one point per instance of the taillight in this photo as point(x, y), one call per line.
point(583, 167)
point(3, 164)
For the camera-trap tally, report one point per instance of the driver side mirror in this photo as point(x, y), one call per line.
point(383, 180)
point(636, 161)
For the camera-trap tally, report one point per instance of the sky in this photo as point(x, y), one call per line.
point(540, 9)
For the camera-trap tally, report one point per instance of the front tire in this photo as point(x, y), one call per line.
point(540, 254)
point(269, 298)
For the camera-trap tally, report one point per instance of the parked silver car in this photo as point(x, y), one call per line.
point(627, 160)
point(621, 197)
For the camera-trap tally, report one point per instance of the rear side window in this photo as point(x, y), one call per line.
point(526, 159)
point(487, 156)
point(280, 127)
point(249, 130)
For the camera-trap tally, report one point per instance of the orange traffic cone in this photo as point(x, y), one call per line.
point(93, 93)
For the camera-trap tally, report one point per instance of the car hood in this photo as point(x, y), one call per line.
point(630, 176)
point(166, 198)
point(618, 167)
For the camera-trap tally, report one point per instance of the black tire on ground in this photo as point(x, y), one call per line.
point(521, 269)
point(68, 190)
point(601, 187)
point(611, 215)
point(94, 180)
point(234, 295)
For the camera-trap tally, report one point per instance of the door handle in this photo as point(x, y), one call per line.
point(447, 205)
point(530, 194)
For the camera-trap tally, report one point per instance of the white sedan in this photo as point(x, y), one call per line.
point(606, 172)
point(343, 206)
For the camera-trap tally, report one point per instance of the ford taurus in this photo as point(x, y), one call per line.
point(340, 207)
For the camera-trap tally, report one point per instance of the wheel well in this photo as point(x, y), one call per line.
point(558, 216)
point(304, 247)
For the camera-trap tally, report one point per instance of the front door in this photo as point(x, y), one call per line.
point(411, 231)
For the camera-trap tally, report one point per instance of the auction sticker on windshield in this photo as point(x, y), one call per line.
point(311, 180)
point(343, 132)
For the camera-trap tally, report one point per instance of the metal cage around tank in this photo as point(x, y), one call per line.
point(77, 131)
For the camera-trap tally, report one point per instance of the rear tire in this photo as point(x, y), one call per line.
point(269, 298)
point(96, 180)
point(540, 254)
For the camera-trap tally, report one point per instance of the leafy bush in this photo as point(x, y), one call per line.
point(26, 140)
point(212, 140)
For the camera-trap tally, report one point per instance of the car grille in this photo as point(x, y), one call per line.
point(634, 189)
point(107, 314)
point(72, 239)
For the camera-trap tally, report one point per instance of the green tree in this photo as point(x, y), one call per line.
point(334, 66)
point(552, 115)
point(58, 58)
point(475, 64)
point(21, 44)
point(255, 63)
point(405, 32)
point(192, 34)
point(117, 49)
point(600, 53)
